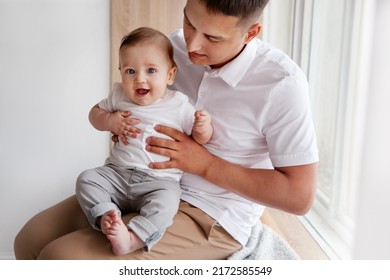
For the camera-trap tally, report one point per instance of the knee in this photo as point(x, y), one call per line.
point(84, 181)
point(170, 201)
point(166, 206)
point(28, 241)
point(22, 249)
point(59, 249)
point(51, 252)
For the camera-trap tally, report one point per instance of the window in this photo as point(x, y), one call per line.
point(330, 41)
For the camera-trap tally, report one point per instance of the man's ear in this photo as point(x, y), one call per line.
point(171, 75)
point(252, 32)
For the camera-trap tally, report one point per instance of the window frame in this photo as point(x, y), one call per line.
point(331, 221)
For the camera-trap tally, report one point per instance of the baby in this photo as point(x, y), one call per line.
point(125, 182)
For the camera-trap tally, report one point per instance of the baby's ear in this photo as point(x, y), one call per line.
point(171, 75)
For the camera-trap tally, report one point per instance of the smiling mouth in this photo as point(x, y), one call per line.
point(142, 91)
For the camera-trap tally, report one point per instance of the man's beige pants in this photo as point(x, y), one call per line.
point(62, 232)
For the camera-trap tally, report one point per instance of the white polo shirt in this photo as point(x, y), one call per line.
point(260, 111)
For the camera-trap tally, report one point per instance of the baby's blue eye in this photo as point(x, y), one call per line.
point(151, 70)
point(130, 71)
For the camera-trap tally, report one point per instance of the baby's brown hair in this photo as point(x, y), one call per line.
point(148, 35)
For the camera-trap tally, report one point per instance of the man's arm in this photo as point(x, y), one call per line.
point(290, 189)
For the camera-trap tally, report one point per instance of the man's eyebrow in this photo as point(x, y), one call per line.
point(215, 37)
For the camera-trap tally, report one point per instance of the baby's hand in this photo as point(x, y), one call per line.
point(121, 125)
point(202, 123)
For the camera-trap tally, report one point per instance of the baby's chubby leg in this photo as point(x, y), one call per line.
point(123, 240)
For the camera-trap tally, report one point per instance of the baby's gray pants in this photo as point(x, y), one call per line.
point(111, 187)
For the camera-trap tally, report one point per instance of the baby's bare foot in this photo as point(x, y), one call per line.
point(108, 219)
point(120, 238)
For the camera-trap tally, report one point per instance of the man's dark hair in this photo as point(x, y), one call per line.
point(248, 11)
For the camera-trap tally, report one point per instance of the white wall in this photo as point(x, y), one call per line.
point(54, 66)
point(373, 222)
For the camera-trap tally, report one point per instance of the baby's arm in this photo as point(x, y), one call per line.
point(117, 122)
point(202, 129)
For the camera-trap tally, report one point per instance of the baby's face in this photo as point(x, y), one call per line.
point(146, 71)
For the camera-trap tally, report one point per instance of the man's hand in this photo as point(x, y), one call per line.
point(183, 151)
point(290, 189)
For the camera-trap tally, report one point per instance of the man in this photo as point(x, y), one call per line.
point(263, 151)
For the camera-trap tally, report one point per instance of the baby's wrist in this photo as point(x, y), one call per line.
point(109, 123)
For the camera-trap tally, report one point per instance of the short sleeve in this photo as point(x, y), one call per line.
point(108, 103)
point(289, 130)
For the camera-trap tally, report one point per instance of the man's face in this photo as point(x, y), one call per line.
point(212, 39)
